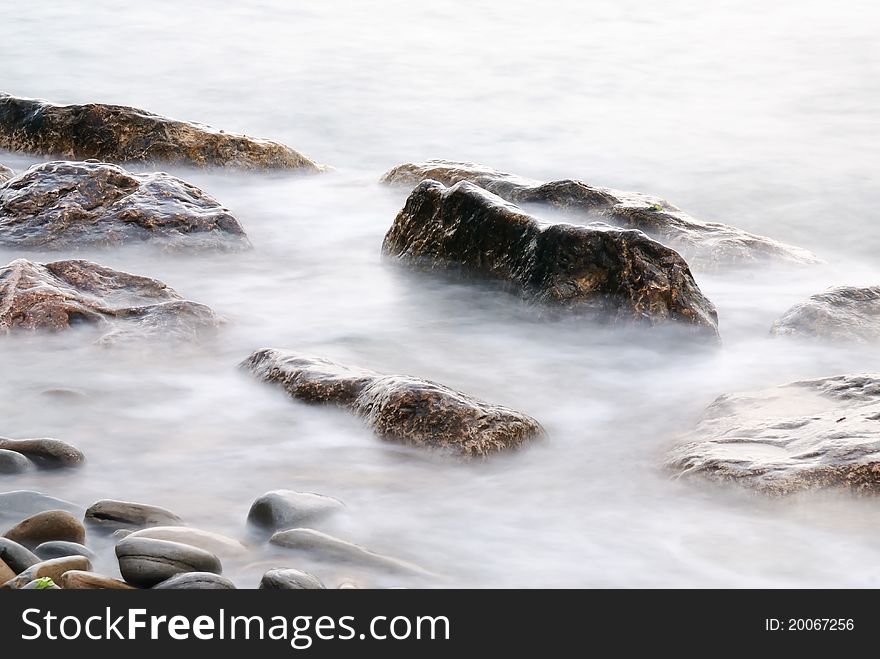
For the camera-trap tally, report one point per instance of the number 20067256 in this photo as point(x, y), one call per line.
point(809, 624)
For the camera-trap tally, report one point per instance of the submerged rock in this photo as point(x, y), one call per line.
point(845, 313)
point(21, 503)
point(111, 515)
point(284, 509)
point(706, 244)
point(618, 273)
point(117, 133)
point(12, 462)
point(72, 205)
point(5, 174)
point(56, 296)
point(397, 407)
point(805, 435)
point(45, 453)
point(146, 562)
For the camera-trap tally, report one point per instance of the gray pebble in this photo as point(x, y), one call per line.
point(290, 579)
point(196, 581)
point(284, 509)
point(12, 462)
point(146, 561)
point(61, 548)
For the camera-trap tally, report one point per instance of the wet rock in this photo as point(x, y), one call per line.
point(196, 581)
point(45, 526)
point(284, 509)
point(82, 580)
point(119, 534)
point(706, 244)
point(117, 133)
point(110, 514)
point(6, 572)
point(53, 569)
point(13, 463)
point(74, 205)
point(399, 408)
point(845, 313)
point(45, 453)
point(806, 435)
point(21, 503)
point(5, 174)
point(16, 556)
point(62, 548)
point(610, 273)
point(215, 543)
point(290, 579)
point(146, 562)
point(59, 295)
point(327, 548)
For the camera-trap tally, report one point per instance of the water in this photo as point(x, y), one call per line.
point(764, 116)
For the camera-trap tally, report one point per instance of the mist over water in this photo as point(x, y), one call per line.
point(764, 116)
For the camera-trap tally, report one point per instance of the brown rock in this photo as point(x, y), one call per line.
point(53, 569)
point(45, 526)
point(6, 572)
point(110, 514)
point(46, 453)
point(82, 580)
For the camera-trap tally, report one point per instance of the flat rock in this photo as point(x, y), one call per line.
point(805, 435)
point(215, 543)
point(196, 581)
point(13, 463)
point(62, 548)
point(284, 509)
point(17, 557)
point(845, 313)
point(290, 579)
point(399, 408)
point(45, 526)
point(5, 174)
point(52, 568)
point(82, 580)
point(707, 244)
point(59, 295)
point(146, 562)
point(110, 514)
point(21, 503)
point(45, 453)
point(117, 133)
point(75, 205)
point(610, 273)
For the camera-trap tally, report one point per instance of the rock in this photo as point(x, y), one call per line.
point(16, 556)
point(290, 579)
point(45, 526)
point(608, 272)
point(845, 313)
point(46, 453)
point(806, 435)
point(326, 548)
point(40, 584)
point(146, 562)
point(82, 580)
point(195, 581)
point(5, 174)
point(207, 540)
point(284, 509)
point(53, 569)
point(6, 572)
point(21, 503)
point(59, 295)
point(110, 514)
point(706, 244)
point(74, 205)
point(61, 548)
point(119, 534)
point(117, 133)
point(12, 462)
point(399, 408)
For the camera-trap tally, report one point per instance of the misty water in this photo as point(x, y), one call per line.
point(761, 115)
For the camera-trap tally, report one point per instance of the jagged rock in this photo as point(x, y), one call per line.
point(845, 313)
point(399, 408)
point(284, 509)
point(46, 453)
point(73, 205)
point(53, 569)
point(813, 434)
point(706, 244)
point(116, 133)
point(57, 295)
point(46, 526)
point(620, 274)
point(111, 515)
point(5, 174)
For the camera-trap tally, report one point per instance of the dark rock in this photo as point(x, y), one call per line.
point(18, 557)
point(46, 453)
point(215, 543)
point(82, 580)
point(613, 273)
point(845, 313)
point(117, 133)
point(195, 581)
point(290, 579)
point(62, 548)
point(58, 295)
point(110, 514)
point(21, 503)
point(5, 174)
point(45, 526)
point(706, 244)
point(146, 562)
point(805, 435)
point(72, 205)
point(284, 509)
point(53, 569)
point(399, 408)
point(12, 462)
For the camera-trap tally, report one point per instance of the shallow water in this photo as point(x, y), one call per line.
point(761, 116)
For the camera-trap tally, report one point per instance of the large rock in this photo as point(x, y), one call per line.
point(46, 453)
point(215, 543)
point(72, 205)
point(146, 562)
point(812, 434)
point(397, 407)
point(5, 174)
point(111, 515)
point(620, 274)
point(706, 244)
point(284, 509)
point(845, 313)
point(117, 133)
point(53, 569)
point(56, 296)
point(46, 526)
